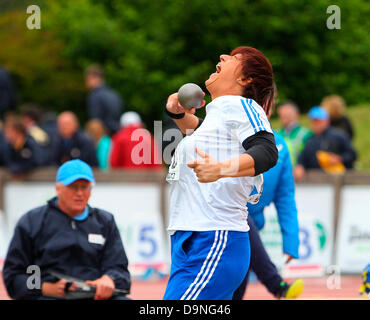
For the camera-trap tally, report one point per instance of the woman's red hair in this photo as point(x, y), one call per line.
point(257, 67)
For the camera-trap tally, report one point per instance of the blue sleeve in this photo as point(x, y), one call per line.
point(258, 219)
point(114, 261)
point(286, 207)
point(18, 258)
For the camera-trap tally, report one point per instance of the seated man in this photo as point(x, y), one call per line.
point(335, 144)
point(21, 151)
point(67, 236)
point(134, 147)
point(294, 134)
point(71, 142)
point(30, 116)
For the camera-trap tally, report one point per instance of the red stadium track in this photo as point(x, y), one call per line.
point(315, 288)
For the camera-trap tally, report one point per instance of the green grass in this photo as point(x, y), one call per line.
point(360, 119)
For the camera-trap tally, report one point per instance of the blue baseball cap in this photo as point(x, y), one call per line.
point(73, 170)
point(318, 113)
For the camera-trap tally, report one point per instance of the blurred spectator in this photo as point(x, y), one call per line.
point(336, 145)
point(31, 116)
point(2, 149)
point(133, 147)
point(49, 123)
point(72, 143)
point(21, 152)
point(102, 102)
point(8, 100)
point(96, 130)
point(336, 108)
point(293, 133)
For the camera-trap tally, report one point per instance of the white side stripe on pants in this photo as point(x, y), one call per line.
point(214, 267)
point(203, 267)
point(212, 264)
point(208, 267)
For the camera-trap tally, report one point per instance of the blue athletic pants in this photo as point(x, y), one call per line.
point(207, 265)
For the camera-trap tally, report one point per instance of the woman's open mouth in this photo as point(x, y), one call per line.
point(218, 70)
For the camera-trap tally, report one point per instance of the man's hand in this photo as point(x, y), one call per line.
point(206, 169)
point(289, 258)
point(104, 287)
point(299, 172)
point(56, 289)
point(334, 159)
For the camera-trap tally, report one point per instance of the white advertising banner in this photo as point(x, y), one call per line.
point(135, 206)
point(353, 238)
point(316, 221)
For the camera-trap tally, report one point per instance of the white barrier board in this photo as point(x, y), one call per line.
point(353, 238)
point(316, 220)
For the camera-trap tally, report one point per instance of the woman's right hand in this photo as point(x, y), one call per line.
point(173, 105)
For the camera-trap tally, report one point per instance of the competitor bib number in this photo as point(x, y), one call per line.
point(174, 169)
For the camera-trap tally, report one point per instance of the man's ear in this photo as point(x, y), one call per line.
point(57, 188)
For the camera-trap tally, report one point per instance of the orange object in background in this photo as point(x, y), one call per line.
point(323, 158)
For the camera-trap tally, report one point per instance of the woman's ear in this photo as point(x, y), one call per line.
point(244, 81)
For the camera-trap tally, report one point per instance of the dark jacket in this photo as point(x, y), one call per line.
point(29, 157)
point(331, 140)
point(50, 239)
point(343, 124)
point(8, 99)
point(2, 149)
point(104, 104)
point(79, 147)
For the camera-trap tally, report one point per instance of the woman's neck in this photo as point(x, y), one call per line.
point(230, 92)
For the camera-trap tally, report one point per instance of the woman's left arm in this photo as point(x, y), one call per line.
point(260, 155)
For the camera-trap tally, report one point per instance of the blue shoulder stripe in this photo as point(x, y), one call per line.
point(248, 114)
point(255, 112)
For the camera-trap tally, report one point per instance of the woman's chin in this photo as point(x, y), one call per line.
point(212, 78)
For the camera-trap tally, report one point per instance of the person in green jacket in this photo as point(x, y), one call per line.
point(294, 134)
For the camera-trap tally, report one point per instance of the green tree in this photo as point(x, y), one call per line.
point(34, 59)
point(150, 48)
